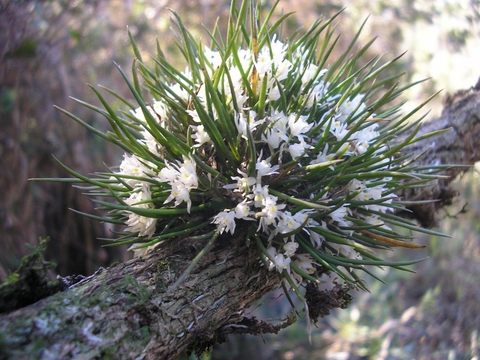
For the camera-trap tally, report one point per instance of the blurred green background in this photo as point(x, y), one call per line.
point(50, 50)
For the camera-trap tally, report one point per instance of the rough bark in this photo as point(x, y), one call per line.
point(457, 147)
point(126, 311)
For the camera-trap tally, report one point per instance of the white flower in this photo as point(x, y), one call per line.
point(182, 179)
point(225, 221)
point(367, 192)
point(361, 146)
point(283, 70)
point(242, 211)
point(180, 174)
point(363, 138)
point(213, 57)
point(189, 164)
point(270, 212)
point(200, 135)
point(243, 183)
point(168, 174)
point(279, 120)
point(282, 263)
point(260, 193)
point(152, 144)
point(302, 215)
point(317, 93)
point(264, 168)
point(338, 129)
point(353, 106)
point(297, 150)
point(340, 214)
point(274, 93)
point(271, 209)
point(241, 122)
point(343, 151)
point(160, 110)
point(355, 185)
point(381, 207)
point(290, 248)
point(194, 115)
point(272, 252)
point(273, 137)
point(240, 97)
point(373, 192)
point(346, 250)
point(278, 49)
point(315, 238)
point(374, 220)
point(264, 62)
point(239, 92)
point(181, 194)
point(138, 113)
point(298, 125)
point(323, 156)
point(188, 178)
point(309, 74)
point(288, 223)
point(179, 91)
point(144, 226)
point(305, 263)
point(133, 166)
point(139, 252)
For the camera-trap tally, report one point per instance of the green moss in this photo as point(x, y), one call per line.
point(12, 279)
point(135, 290)
point(38, 348)
point(145, 333)
point(30, 282)
point(115, 263)
point(163, 266)
point(5, 352)
point(111, 352)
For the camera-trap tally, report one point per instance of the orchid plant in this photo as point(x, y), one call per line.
point(303, 152)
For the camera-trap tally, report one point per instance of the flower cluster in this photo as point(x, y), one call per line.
point(266, 138)
point(287, 137)
point(182, 178)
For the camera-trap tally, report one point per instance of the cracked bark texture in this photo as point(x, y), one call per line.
point(457, 147)
point(125, 311)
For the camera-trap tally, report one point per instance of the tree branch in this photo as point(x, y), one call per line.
point(457, 147)
point(125, 311)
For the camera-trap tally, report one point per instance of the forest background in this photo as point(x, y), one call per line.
point(49, 50)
